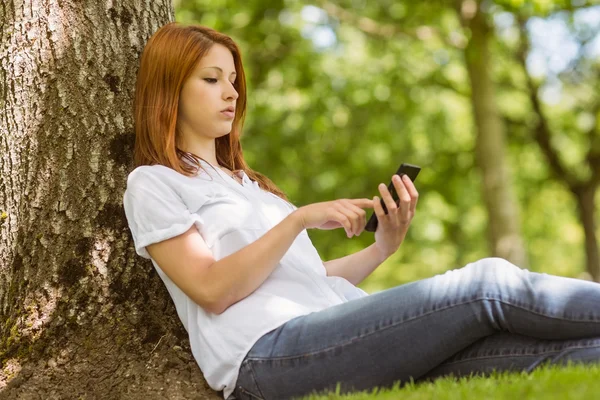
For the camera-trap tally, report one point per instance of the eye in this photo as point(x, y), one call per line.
point(210, 80)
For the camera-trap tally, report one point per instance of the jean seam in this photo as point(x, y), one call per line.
point(463, 360)
point(250, 394)
point(254, 380)
point(409, 320)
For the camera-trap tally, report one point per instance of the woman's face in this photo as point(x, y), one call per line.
point(204, 96)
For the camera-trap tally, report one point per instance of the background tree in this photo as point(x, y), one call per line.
point(356, 87)
point(578, 123)
point(504, 236)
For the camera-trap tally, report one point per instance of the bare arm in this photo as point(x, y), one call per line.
point(390, 233)
point(357, 266)
point(216, 285)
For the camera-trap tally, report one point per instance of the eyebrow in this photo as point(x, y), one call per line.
point(219, 68)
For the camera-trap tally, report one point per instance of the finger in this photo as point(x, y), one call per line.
point(360, 217)
point(378, 209)
point(403, 195)
point(412, 191)
point(343, 220)
point(342, 206)
point(362, 203)
point(390, 204)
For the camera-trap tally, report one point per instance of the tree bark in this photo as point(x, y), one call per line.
point(504, 235)
point(82, 316)
point(587, 214)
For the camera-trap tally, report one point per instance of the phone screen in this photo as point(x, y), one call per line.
point(405, 169)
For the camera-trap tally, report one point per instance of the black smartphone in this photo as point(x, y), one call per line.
point(405, 169)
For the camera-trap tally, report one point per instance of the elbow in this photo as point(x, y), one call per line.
point(214, 304)
point(210, 297)
point(216, 308)
point(220, 304)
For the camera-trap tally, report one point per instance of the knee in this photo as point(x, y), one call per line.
point(492, 275)
point(494, 266)
point(496, 263)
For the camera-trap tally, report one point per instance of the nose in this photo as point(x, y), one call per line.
point(230, 92)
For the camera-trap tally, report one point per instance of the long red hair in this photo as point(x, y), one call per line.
point(168, 59)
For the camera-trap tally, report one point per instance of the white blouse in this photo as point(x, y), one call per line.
point(161, 203)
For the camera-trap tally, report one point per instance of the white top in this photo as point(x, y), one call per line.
point(161, 203)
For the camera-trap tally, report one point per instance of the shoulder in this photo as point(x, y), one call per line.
point(159, 180)
point(160, 174)
point(149, 172)
point(149, 182)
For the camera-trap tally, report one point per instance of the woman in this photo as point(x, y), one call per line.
point(266, 318)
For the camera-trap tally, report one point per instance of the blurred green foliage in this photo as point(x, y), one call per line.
point(340, 93)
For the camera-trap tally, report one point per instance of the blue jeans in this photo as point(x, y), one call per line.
point(489, 315)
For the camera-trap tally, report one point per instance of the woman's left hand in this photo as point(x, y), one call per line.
point(392, 227)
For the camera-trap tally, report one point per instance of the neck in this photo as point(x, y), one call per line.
point(203, 149)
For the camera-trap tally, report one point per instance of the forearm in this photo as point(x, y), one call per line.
point(242, 272)
point(355, 267)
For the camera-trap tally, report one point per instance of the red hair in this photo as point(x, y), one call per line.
point(168, 59)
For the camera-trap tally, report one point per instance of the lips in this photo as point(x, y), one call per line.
point(229, 112)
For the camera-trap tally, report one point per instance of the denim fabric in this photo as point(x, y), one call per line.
point(489, 315)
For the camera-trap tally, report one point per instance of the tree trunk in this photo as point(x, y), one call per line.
point(587, 214)
point(583, 189)
point(504, 234)
point(81, 315)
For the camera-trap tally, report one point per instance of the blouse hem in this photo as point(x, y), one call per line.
point(244, 353)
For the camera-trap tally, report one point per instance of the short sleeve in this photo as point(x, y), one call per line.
point(154, 209)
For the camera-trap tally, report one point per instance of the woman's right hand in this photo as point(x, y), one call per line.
point(346, 213)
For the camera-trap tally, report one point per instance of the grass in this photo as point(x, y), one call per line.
point(572, 382)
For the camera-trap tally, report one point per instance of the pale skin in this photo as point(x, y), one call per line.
point(209, 90)
point(216, 285)
point(390, 233)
